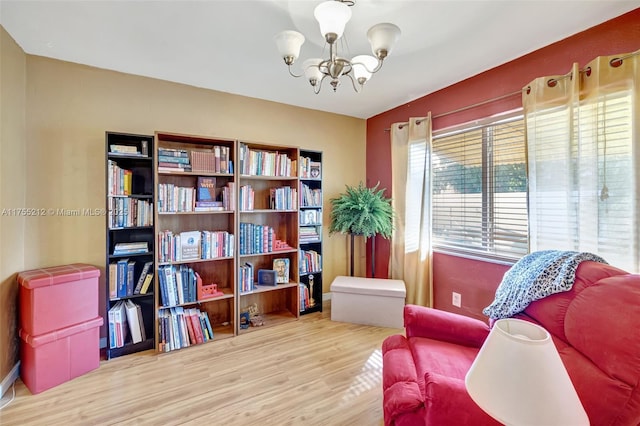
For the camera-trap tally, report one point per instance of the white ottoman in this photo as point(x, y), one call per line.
point(368, 301)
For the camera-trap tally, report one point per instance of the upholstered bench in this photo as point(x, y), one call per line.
point(368, 301)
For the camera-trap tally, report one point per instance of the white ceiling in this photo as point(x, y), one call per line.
point(227, 45)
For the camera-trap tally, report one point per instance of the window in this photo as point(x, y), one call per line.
point(479, 190)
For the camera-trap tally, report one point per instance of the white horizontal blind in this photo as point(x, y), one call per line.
point(583, 193)
point(479, 197)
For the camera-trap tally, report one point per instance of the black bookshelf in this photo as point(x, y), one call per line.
point(129, 181)
point(310, 230)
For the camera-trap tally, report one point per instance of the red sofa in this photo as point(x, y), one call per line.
point(595, 327)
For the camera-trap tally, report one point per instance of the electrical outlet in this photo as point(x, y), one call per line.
point(456, 299)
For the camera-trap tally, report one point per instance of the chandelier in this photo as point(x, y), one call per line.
point(332, 16)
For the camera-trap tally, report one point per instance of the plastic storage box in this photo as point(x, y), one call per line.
point(53, 358)
point(57, 297)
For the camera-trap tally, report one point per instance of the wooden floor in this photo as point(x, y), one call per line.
point(307, 372)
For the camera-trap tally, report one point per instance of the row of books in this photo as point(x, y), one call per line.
point(309, 234)
point(265, 163)
point(120, 181)
point(130, 247)
point(310, 169)
point(173, 198)
point(310, 261)
point(182, 327)
point(216, 160)
point(258, 239)
point(178, 285)
point(194, 245)
point(130, 149)
point(246, 282)
point(283, 198)
point(304, 297)
point(129, 212)
point(123, 281)
point(173, 160)
point(310, 197)
point(126, 324)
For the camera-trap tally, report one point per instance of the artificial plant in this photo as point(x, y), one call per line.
point(362, 211)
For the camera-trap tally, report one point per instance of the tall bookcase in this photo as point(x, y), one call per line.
point(196, 230)
point(310, 231)
point(268, 234)
point(130, 243)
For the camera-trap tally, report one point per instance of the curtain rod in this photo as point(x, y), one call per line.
point(465, 108)
point(615, 62)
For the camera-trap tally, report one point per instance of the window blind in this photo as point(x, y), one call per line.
point(479, 190)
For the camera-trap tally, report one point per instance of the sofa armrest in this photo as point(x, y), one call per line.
point(447, 402)
point(420, 321)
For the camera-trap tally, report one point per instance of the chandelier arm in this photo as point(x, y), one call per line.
point(319, 85)
point(292, 74)
point(373, 71)
point(353, 82)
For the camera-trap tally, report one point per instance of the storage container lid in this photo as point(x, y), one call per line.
point(57, 275)
point(52, 336)
point(370, 286)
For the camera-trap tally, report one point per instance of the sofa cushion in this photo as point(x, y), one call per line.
point(439, 357)
point(550, 312)
point(603, 324)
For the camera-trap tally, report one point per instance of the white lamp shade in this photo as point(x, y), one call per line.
point(518, 378)
point(311, 69)
point(383, 37)
point(363, 65)
point(289, 43)
point(332, 17)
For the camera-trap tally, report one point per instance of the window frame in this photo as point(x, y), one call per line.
point(488, 222)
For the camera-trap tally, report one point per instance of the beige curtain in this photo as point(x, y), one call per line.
point(583, 131)
point(410, 258)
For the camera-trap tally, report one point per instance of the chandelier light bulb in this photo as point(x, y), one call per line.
point(312, 70)
point(332, 16)
point(382, 38)
point(363, 67)
point(289, 43)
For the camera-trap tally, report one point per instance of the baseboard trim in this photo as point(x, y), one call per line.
point(6, 383)
point(326, 296)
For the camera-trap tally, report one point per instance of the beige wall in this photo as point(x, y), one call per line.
point(12, 192)
point(69, 108)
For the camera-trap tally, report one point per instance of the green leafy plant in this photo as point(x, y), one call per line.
point(362, 211)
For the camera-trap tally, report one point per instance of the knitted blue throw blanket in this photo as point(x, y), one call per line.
point(535, 276)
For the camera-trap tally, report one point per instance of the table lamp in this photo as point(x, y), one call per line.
point(519, 379)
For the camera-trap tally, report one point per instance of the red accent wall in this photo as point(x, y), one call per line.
point(619, 35)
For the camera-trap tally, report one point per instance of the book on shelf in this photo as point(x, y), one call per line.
point(190, 245)
point(130, 248)
point(118, 325)
point(124, 149)
point(143, 275)
point(134, 318)
point(281, 266)
point(315, 169)
point(131, 265)
point(206, 190)
point(146, 284)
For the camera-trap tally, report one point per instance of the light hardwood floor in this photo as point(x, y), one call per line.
point(307, 372)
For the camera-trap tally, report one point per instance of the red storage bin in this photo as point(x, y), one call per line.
point(57, 297)
point(50, 359)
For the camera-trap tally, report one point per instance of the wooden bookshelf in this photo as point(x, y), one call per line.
point(272, 174)
point(176, 196)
